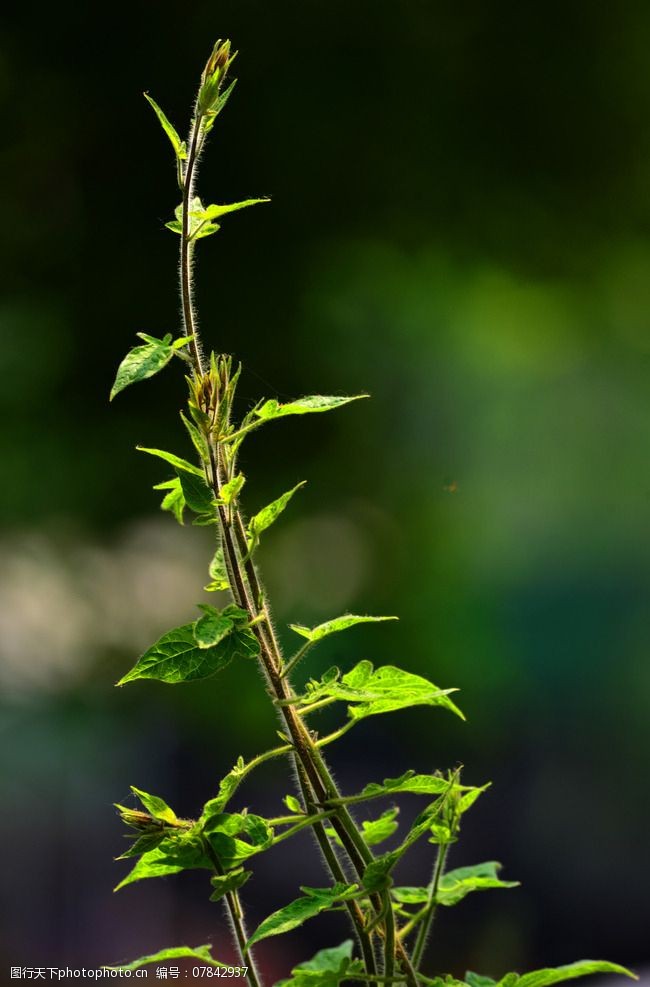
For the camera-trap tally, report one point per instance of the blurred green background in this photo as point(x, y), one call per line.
point(460, 225)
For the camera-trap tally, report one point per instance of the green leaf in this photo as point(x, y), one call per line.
point(230, 490)
point(198, 495)
point(224, 831)
point(290, 917)
point(171, 857)
point(155, 806)
point(201, 953)
point(176, 657)
point(377, 830)
point(376, 876)
point(410, 782)
point(303, 406)
point(478, 980)
point(142, 362)
point(181, 465)
point(215, 212)
point(225, 883)
point(410, 896)
point(292, 804)
point(377, 691)
point(179, 146)
point(227, 787)
point(314, 634)
point(265, 518)
point(326, 969)
point(212, 627)
point(218, 573)
point(457, 884)
point(174, 500)
point(199, 440)
point(557, 975)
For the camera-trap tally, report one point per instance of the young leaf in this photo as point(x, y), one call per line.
point(382, 690)
point(224, 832)
point(178, 145)
point(218, 573)
point(314, 634)
point(456, 884)
point(230, 490)
point(265, 518)
point(292, 804)
point(326, 969)
point(410, 896)
point(171, 857)
point(315, 900)
point(410, 782)
point(303, 406)
point(156, 806)
point(201, 953)
point(212, 627)
point(142, 362)
point(180, 465)
point(377, 830)
point(176, 657)
point(199, 440)
point(478, 980)
point(557, 975)
point(174, 500)
point(198, 495)
point(225, 883)
point(215, 212)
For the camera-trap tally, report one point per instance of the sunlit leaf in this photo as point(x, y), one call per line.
point(303, 406)
point(201, 953)
point(218, 573)
point(181, 465)
point(156, 806)
point(377, 830)
point(225, 883)
point(266, 517)
point(142, 362)
point(557, 975)
point(174, 499)
point(314, 634)
point(292, 916)
point(171, 857)
point(326, 969)
point(179, 146)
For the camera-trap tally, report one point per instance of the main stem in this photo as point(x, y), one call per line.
point(317, 781)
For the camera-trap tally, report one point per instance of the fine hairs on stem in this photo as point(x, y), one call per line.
point(359, 879)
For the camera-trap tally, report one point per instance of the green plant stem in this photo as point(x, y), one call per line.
point(430, 911)
point(236, 915)
point(248, 594)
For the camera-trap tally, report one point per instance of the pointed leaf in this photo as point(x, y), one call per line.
point(225, 883)
point(303, 406)
point(316, 900)
point(457, 884)
point(142, 362)
point(314, 634)
point(230, 491)
point(377, 830)
point(215, 212)
point(212, 627)
point(176, 657)
point(156, 806)
point(201, 953)
point(199, 440)
point(410, 782)
point(198, 495)
point(179, 464)
point(174, 500)
point(176, 142)
point(265, 518)
point(171, 857)
point(547, 977)
point(326, 969)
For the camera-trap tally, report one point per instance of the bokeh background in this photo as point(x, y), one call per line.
point(460, 226)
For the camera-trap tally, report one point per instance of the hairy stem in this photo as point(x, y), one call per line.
point(430, 911)
point(236, 916)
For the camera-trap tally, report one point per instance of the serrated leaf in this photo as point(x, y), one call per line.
point(201, 953)
point(326, 969)
point(303, 406)
point(314, 634)
point(230, 490)
point(266, 517)
point(174, 500)
point(225, 883)
point(377, 830)
point(212, 627)
point(410, 782)
point(178, 145)
point(142, 362)
point(218, 573)
point(176, 657)
point(557, 975)
point(171, 857)
point(457, 884)
point(198, 495)
point(180, 465)
point(156, 806)
point(372, 691)
point(292, 916)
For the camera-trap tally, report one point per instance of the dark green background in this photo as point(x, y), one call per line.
point(460, 225)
